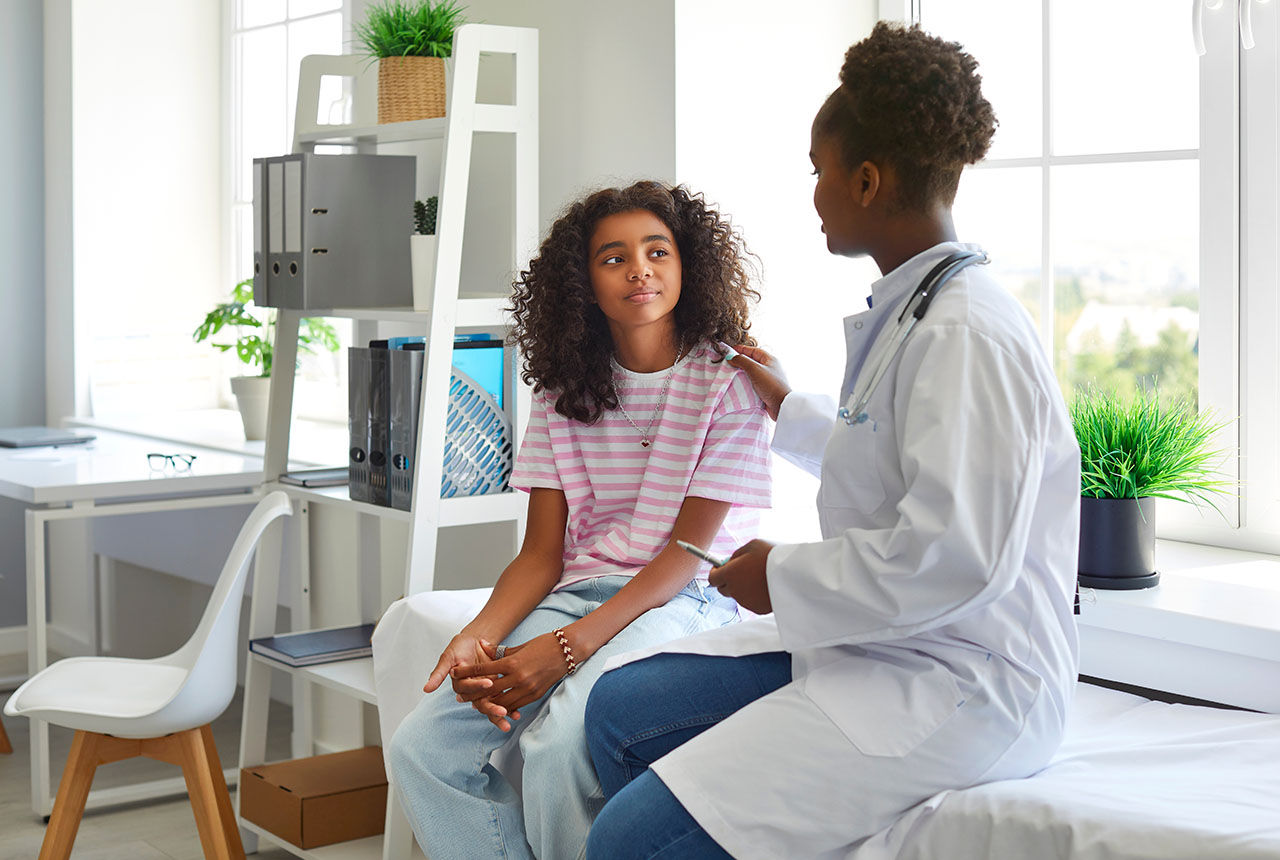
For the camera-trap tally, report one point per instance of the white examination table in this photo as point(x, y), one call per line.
point(1134, 779)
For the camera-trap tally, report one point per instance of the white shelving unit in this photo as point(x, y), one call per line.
point(452, 309)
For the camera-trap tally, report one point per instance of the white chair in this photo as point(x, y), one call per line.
point(159, 708)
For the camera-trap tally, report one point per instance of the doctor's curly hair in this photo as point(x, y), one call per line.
point(913, 101)
point(562, 334)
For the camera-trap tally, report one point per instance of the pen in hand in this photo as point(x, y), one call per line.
point(713, 560)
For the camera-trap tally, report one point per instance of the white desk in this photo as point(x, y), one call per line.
point(311, 443)
point(108, 476)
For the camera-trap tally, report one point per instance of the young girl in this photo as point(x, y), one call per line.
point(640, 435)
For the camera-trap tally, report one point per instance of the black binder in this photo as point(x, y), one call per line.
point(358, 423)
point(405, 398)
point(379, 421)
point(367, 420)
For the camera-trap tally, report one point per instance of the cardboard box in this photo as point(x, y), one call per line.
point(320, 800)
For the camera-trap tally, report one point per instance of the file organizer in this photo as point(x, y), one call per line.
point(385, 401)
point(332, 231)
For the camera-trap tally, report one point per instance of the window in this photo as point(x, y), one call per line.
point(139, 242)
point(1090, 194)
point(269, 38)
point(1129, 201)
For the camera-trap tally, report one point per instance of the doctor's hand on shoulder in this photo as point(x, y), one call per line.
point(766, 375)
point(743, 577)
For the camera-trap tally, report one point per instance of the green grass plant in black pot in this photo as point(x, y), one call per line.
point(1133, 451)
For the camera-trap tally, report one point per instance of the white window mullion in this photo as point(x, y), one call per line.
point(1260, 273)
point(1220, 282)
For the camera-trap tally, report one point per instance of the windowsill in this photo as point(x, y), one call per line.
point(311, 442)
point(1210, 629)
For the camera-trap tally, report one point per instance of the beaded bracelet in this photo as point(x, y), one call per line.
point(568, 652)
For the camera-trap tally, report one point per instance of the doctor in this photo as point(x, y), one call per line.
point(927, 642)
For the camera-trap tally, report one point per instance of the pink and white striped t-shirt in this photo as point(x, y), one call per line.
point(711, 440)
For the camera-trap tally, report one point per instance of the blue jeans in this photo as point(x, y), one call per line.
point(638, 713)
point(460, 805)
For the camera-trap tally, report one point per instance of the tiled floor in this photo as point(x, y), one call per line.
point(149, 830)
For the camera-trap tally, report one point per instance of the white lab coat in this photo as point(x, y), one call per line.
point(931, 630)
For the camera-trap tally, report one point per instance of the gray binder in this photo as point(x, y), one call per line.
point(332, 231)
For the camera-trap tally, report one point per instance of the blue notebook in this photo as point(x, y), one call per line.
point(310, 647)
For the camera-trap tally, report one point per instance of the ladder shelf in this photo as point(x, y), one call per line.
point(452, 310)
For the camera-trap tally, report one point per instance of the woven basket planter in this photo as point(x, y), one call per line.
point(410, 88)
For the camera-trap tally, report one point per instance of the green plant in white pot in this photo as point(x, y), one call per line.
point(1133, 451)
point(254, 347)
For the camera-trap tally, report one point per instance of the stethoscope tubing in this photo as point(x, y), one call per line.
point(912, 312)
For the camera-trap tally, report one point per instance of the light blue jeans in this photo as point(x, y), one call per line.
point(460, 806)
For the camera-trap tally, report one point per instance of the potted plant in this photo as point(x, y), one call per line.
point(253, 346)
point(410, 41)
point(1132, 452)
point(422, 247)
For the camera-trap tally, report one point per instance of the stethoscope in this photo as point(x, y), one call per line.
point(914, 311)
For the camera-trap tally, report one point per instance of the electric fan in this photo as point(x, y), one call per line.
point(477, 445)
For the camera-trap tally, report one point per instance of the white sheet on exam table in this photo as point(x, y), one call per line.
point(1134, 780)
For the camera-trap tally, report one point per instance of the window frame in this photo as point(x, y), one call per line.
point(1238, 357)
point(317, 400)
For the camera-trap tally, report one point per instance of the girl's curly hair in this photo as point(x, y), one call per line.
point(562, 334)
point(914, 101)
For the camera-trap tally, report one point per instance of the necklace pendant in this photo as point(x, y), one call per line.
point(644, 443)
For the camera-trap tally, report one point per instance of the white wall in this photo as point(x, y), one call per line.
point(21, 261)
point(745, 100)
point(606, 90)
point(22, 214)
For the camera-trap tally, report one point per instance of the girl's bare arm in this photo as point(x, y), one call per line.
point(522, 586)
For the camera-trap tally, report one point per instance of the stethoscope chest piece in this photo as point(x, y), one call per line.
point(847, 416)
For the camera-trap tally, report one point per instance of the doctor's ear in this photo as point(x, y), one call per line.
point(865, 180)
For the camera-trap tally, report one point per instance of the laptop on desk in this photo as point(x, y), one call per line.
point(35, 437)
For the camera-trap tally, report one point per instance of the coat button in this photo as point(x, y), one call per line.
point(858, 324)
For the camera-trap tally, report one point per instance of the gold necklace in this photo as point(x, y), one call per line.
point(645, 439)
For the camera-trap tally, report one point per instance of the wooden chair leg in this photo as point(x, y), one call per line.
point(226, 812)
point(6, 748)
point(192, 750)
point(73, 791)
point(210, 801)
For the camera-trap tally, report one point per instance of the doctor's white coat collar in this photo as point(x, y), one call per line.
point(888, 294)
point(892, 289)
